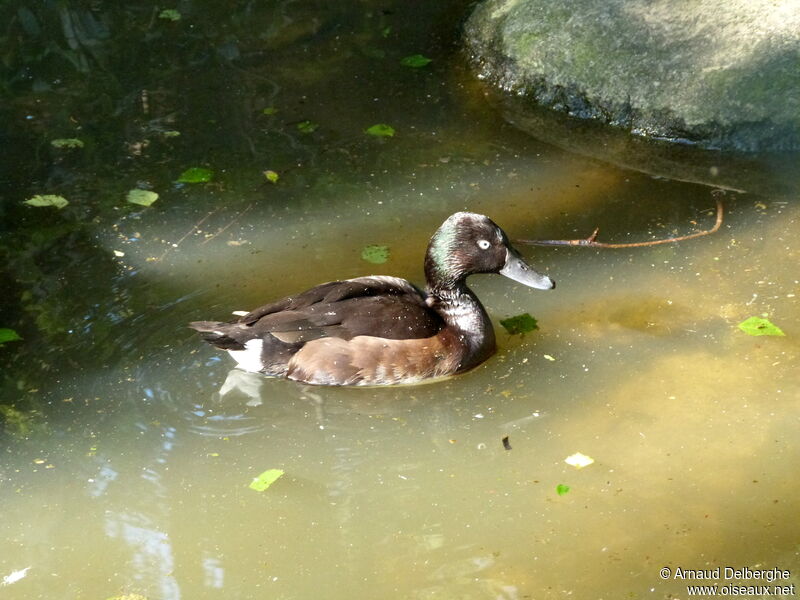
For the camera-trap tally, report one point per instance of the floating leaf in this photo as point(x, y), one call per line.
point(548, 357)
point(47, 200)
point(14, 576)
point(759, 326)
point(578, 460)
point(67, 143)
point(143, 197)
point(266, 479)
point(8, 335)
point(271, 176)
point(170, 14)
point(415, 61)
point(380, 130)
point(307, 126)
point(375, 254)
point(270, 110)
point(562, 489)
point(196, 175)
point(169, 133)
point(523, 323)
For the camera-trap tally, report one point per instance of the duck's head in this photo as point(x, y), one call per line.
point(469, 243)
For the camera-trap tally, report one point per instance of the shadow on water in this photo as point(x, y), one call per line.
point(772, 174)
point(129, 445)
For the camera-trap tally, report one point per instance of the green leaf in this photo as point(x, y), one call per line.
point(307, 126)
point(759, 326)
point(386, 31)
point(266, 479)
point(8, 335)
point(271, 176)
point(562, 489)
point(170, 14)
point(523, 323)
point(169, 133)
point(380, 130)
point(143, 197)
point(67, 143)
point(270, 110)
point(415, 61)
point(47, 200)
point(196, 175)
point(375, 254)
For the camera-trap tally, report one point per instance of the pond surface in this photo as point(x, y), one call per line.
point(129, 444)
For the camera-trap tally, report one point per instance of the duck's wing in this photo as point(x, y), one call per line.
point(335, 291)
point(384, 307)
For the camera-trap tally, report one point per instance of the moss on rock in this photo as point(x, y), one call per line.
point(719, 75)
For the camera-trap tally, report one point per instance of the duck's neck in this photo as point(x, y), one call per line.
point(450, 297)
point(465, 316)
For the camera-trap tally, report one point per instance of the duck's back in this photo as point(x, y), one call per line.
point(359, 330)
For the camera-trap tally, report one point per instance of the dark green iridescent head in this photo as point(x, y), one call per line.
point(469, 243)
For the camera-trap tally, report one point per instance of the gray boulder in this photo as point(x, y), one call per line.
point(717, 74)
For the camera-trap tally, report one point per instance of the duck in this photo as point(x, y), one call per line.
point(379, 330)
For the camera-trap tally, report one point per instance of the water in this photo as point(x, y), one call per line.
point(130, 473)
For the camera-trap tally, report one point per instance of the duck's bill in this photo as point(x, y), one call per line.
point(518, 270)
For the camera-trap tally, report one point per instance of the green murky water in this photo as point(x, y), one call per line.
point(129, 445)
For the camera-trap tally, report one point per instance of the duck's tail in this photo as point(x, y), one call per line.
point(216, 333)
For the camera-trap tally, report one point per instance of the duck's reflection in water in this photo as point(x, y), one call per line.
point(248, 384)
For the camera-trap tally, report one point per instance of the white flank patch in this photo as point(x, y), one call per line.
point(15, 576)
point(249, 359)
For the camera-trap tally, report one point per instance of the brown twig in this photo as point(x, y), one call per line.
point(592, 242)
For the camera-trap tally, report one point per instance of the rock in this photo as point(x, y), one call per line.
point(719, 75)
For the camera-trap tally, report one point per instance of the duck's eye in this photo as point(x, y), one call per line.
point(483, 244)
